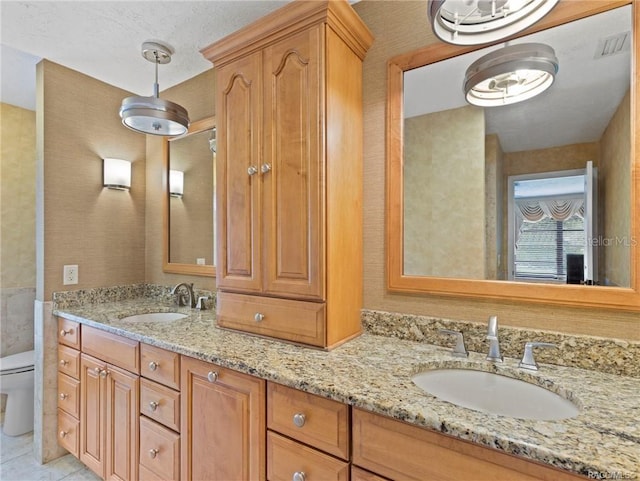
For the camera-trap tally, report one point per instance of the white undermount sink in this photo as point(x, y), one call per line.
point(495, 394)
point(154, 317)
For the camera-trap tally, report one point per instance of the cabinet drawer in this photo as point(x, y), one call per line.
point(286, 457)
point(159, 452)
point(297, 321)
point(160, 403)
point(358, 474)
point(69, 333)
point(114, 349)
point(69, 395)
point(311, 419)
point(160, 365)
point(69, 361)
point(404, 452)
point(68, 436)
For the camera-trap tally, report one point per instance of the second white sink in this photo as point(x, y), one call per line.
point(495, 394)
point(154, 317)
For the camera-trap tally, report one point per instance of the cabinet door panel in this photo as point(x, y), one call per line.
point(231, 443)
point(292, 197)
point(92, 414)
point(122, 424)
point(239, 121)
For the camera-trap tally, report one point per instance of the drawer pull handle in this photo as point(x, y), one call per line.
point(252, 170)
point(153, 366)
point(258, 317)
point(63, 396)
point(63, 434)
point(299, 419)
point(266, 167)
point(64, 332)
point(153, 405)
point(212, 376)
point(153, 453)
point(63, 362)
point(299, 476)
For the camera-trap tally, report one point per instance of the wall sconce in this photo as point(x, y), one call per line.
point(176, 183)
point(117, 174)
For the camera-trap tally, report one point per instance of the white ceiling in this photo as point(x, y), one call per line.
point(576, 108)
point(103, 39)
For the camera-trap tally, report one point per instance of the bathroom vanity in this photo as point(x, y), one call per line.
point(350, 413)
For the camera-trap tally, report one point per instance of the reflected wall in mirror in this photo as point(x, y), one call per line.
point(459, 220)
point(189, 184)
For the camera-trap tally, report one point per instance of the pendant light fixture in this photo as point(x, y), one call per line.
point(474, 22)
point(511, 74)
point(153, 115)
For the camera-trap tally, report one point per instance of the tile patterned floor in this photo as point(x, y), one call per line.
point(18, 464)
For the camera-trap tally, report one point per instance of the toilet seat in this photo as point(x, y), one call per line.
point(17, 363)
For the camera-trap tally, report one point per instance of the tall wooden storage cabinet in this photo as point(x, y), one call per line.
point(289, 173)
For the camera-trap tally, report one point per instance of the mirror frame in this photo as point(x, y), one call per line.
point(619, 298)
point(174, 267)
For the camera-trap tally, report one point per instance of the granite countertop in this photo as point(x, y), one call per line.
point(374, 373)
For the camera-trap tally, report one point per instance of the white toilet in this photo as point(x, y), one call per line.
point(16, 381)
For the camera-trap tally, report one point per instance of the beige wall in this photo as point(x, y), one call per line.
point(614, 182)
point(443, 170)
point(17, 197)
point(494, 162)
point(400, 27)
point(197, 95)
point(79, 221)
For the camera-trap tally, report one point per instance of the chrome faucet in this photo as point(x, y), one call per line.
point(494, 342)
point(181, 297)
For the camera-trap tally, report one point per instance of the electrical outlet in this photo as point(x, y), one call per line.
point(70, 275)
point(200, 261)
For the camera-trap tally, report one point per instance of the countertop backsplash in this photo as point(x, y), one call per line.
point(608, 355)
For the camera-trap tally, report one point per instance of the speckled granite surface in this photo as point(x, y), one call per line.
point(374, 372)
point(613, 356)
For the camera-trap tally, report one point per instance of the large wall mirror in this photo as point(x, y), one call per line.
point(189, 183)
point(537, 200)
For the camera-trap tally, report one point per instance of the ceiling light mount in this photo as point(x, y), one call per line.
point(474, 22)
point(153, 115)
point(511, 74)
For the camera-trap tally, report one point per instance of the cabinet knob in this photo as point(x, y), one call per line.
point(153, 366)
point(63, 434)
point(63, 362)
point(299, 419)
point(153, 405)
point(63, 396)
point(104, 373)
point(212, 376)
point(153, 453)
point(266, 167)
point(299, 476)
point(64, 332)
point(97, 370)
point(252, 170)
point(258, 316)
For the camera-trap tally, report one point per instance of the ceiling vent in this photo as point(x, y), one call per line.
point(612, 45)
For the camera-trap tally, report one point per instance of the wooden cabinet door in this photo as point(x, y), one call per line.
point(121, 424)
point(238, 175)
point(293, 212)
point(222, 423)
point(92, 414)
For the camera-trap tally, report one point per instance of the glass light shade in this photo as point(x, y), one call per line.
point(155, 116)
point(512, 74)
point(176, 183)
point(117, 174)
point(474, 22)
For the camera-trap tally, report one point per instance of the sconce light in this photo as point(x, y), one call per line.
point(153, 115)
point(176, 183)
point(511, 74)
point(474, 22)
point(117, 174)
